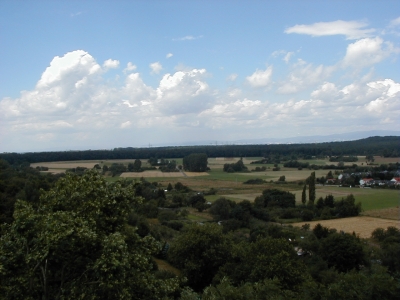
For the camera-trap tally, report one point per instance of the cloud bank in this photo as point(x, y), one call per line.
point(73, 103)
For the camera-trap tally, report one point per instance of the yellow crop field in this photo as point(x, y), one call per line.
point(362, 226)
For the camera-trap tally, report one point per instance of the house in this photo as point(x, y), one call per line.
point(396, 180)
point(366, 181)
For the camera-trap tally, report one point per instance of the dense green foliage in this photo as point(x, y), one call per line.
point(275, 197)
point(235, 167)
point(265, 258)
point(389, 241)
point(199, 252)
point(20, 182)
point(195, 162)
point(76, 244)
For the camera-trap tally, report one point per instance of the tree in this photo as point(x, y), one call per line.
point(347, 207)
point(222, 208)
point(137, 165)
point(343, 251)
point(199, 252)
point(266, 258)
point(275, 197)
point(329, 201)
point(169, 187)
point(304, 195)
point(196, 200)
point(195, 162)
point(370, 158)
point(77, 244)
point(235, 167)
point(311, 188)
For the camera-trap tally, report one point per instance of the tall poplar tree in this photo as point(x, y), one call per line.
point(303, 195)
point(311, 188)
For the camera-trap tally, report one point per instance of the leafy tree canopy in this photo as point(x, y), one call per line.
point(77, 245)
point(195, 162)
point(199, 252)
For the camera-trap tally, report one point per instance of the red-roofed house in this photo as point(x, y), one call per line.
point(396, 180)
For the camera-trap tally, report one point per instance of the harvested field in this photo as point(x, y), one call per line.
point(160, 174)
point(383, 160)
point(392, 213)
point(150, 174)
point(362, 226)
point(194, 174)
point(249, 197)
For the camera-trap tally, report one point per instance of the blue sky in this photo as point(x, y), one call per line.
point(105, 74)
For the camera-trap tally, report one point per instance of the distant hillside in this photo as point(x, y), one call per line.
point(387, 146)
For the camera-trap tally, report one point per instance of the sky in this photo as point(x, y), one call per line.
point(77, 75)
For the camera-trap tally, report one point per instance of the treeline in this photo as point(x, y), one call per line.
point(383, 146)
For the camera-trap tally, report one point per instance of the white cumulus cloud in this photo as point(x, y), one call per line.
point(130, 67)
point(389, 97)
point(183, 92)
point(155, 67)
point(303, 75)
point(111, 64)
point(260, 78)
point(169, 55)
point(367, 52)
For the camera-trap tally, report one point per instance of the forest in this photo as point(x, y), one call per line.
point(383, 146)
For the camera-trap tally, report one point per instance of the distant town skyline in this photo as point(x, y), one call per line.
point(102, 74)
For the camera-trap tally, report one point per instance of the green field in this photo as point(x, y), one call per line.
point(370, 199)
